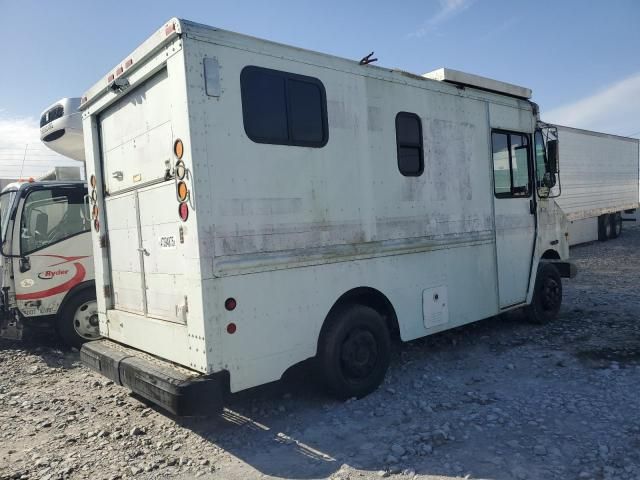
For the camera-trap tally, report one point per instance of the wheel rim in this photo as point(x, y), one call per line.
point(618, 225)
point(85, 320)
point(607, 229)
point(551, 294)
point(358, 354)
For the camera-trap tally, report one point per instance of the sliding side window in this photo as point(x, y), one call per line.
point(409, 144)
point(283, 108)
point(511, 153)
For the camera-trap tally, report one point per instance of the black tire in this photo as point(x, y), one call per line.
point(616, 224)
point(65, 320)
point(354, 351)
point(604, 227)
point(547, 295)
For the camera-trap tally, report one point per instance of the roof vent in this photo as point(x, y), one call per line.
point(476, 81)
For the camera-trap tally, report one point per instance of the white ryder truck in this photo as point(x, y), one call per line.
point(255, 205)
point(46, 253)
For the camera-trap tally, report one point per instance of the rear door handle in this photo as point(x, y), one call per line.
point(144, 251)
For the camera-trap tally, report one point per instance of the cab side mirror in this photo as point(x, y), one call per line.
point(552, 156)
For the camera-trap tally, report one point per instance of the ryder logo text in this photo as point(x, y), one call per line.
point(49, 274)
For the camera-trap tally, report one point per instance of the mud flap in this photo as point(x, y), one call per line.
point(565, 269)
point(11, 328)
point(174, 389)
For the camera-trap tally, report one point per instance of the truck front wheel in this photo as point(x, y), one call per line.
point(77, 322)
point(354, 351)
point(547, 295)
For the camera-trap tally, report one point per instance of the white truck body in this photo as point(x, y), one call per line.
point(288, 228)
point(599, 176)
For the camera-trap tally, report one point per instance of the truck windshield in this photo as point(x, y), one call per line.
point(51, 215)
point(6, 200)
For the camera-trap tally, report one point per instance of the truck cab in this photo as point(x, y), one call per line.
point(46, 259)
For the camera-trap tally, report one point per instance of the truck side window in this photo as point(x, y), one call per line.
point(511, 164)
point(51, 215)
point(409, 144)
point(283, 108)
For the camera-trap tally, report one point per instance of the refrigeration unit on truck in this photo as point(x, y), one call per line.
point(46, 252)
point(599, 174)
point(255, 205)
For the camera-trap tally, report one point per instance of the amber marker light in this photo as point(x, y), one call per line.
point(182, 191)
point(178, 148)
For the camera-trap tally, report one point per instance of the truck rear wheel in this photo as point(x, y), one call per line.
point(547, 295)
point(616, 224)
point(77, 322)
point(604, 227)
point(354, 351)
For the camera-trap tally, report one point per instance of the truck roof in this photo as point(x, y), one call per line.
point(599, 134)
point(24, 185)
point(442, 79)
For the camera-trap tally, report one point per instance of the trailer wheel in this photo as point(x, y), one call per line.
point(77, 322)
point(616, 224)
point(547, 295)
point(604, 227)
point(354, 351)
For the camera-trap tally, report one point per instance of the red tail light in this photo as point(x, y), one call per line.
point(183, 211)
point(230, 303)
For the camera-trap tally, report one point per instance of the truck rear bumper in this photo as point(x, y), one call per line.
point(175, 389)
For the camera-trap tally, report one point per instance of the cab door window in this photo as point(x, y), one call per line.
point(511, 152)
point(50, 216)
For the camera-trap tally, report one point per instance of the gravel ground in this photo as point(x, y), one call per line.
point(499, 399)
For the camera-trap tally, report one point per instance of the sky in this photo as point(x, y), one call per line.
point(581, 59)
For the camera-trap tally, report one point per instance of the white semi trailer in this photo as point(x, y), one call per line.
point(46, 259)
point(255, 205)
point(599, 174)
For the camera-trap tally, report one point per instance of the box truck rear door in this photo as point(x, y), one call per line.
point(136, 136)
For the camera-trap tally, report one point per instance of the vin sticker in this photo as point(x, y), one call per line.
point(168, 243)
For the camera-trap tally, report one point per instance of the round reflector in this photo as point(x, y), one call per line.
point(96, 225)
point(231, 328)
point(181, 170)
point(92, 181)
point(182, 191)
point(178, 148)
point(94, 211)
point(183, 211)
point(230, 303)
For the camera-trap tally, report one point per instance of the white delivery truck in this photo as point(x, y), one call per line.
point(599, 174)
point(255, 205)
point(45, 252)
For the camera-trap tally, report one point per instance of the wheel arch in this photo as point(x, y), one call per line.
point(370, 297)
point(550, 255)
point(86, 285)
